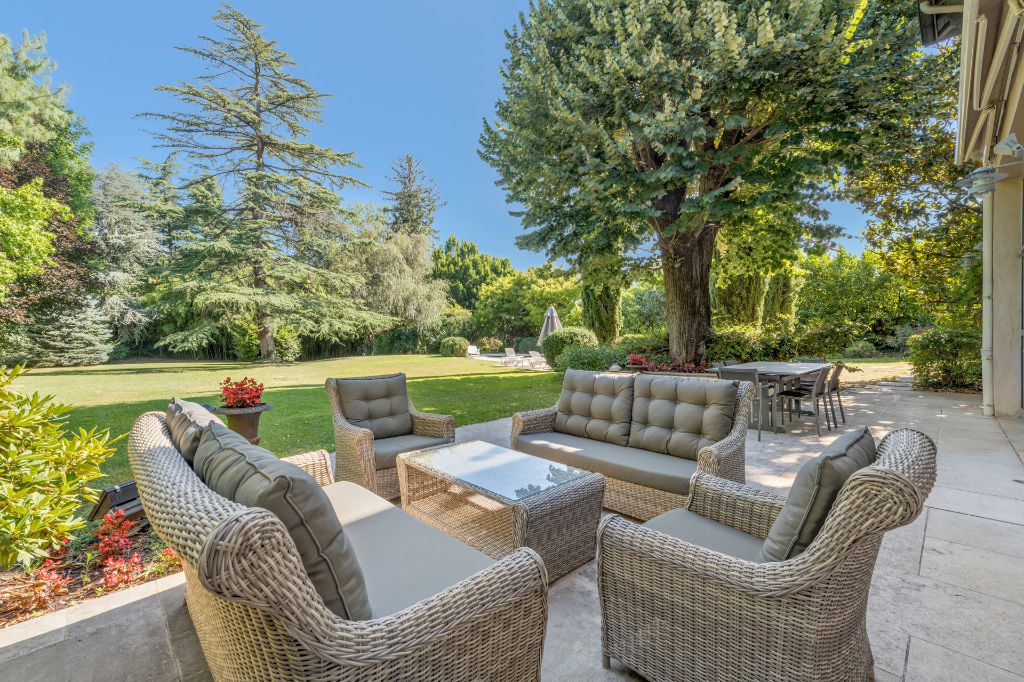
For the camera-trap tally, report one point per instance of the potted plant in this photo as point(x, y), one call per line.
point(242, 406)
point(636, 362)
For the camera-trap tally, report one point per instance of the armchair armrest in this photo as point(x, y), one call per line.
point(353, 452)
point(432, 425)
point(316, 463)
point(743, 507)
point(534, 421)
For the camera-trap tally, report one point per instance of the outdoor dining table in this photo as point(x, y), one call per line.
point(779, 373)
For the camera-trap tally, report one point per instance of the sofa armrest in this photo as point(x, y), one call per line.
point(728, 457)
point(353, 452)
point(534, 421)
point(316, 463)
point(432, 425)
point(743, 507)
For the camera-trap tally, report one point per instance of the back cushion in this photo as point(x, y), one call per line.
point(680, 416)
point(596, 405)
point(255, 477)
point(185, 421)
point(815, 489)
point(381, 405)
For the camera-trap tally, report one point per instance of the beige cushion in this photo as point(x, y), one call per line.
point(185, 421)
point(703, 532)
point(653, 470)
point(596, 405)
point(385, 450)
point(680, 416)
point(404, 560)
point(380, 405)
point(255, 477)
point(815, 489)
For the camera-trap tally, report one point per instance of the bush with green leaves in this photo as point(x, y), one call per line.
point(593, 358)
point(526, 343)
point(557, 341)
point(454, 346)
point(44, 473)
point(747, 343)
point(245, 342)
point(946, 358)
point(860, 349)
point(821, 337)
point(642, 344)
point(489, 344)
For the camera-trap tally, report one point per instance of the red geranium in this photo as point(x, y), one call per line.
point(242, 393)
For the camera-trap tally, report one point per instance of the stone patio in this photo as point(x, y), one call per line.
point(947, 599)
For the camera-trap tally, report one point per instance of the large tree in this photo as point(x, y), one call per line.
point(677, 115)
point(414, 202)
point(246, 123)
point(514, 305)
point(30, 108)
point(465, 270)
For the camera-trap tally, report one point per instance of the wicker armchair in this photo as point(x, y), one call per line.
point(354, 451)
point(671, 610)
point(726, 458)
point(259, 617)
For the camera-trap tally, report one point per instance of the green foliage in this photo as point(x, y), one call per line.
point(489, 344)
point(526, 344)
point(25, 241)
point(245, 342)
point(514, 305)
point(560, 339)
point(44, 473)
point(71, 337)
point(415, 202)
point(643, 309)
point(946, 358)
point(643, 344)
point(591, 358)
point(455, 321)
point(602, 279)
point(454, 346)
point(748, 343)
point(30, 109)
point(461, 265)
point(860, 349)
point(821, 337)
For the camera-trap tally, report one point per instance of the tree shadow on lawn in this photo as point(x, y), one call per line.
point(123, 369)
point(301, 419)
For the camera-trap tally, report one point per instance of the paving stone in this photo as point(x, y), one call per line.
point(930, 663)
point(975, 531)
point(32, 634)
point(976, 504)
point(991, 573)
point(97, 613)
point(901, 548)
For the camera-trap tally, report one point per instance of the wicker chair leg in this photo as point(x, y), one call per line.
point(606, 661)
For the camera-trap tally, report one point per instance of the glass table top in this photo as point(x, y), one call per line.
point(507, 474)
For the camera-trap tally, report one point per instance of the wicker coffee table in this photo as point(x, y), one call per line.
point(497, 500)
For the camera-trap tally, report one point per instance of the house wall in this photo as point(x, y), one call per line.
point(1007, 216)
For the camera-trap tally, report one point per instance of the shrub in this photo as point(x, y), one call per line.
point(642, 344)
point(741, 343)
point(454, 346)
point(245, 342)
point(44, 473)
point(826, 337)
point(398, 340)
point(860, 349)
point(526, 343)
point(489, 344)
point(455, 321)
point(287, 343)
point(557, 341)
point(946, 358)
point(593, 358)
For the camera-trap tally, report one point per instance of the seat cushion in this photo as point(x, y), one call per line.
point(185, 421)
point(815, 489)
point(680, 416)
point(213, 439)
point(380, 404)
point(255, 477)
point(596, 405)
point(404, 560)
point(699, 530)
point(651, 469)
point(385, 450)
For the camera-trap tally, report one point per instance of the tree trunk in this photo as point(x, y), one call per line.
point(686, 264)
point(266, 333)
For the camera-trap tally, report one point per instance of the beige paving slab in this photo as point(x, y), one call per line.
point(976, 504)
point(976, 531)
point(29, 635)
point(901, 548)
point(981, 570)
point(928, 662)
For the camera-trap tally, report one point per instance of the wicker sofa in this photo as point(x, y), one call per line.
point(708, 592)
point(648, 434)
point(252, 598)
point(374, 422)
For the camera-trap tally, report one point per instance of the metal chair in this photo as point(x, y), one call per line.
point(834, 389)
point(817, 394)
point(716, 365)
point(762, 391)
point(820, 361)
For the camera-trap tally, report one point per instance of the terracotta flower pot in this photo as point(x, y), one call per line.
point(245, 421)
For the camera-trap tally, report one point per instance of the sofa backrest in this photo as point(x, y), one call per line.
point(679, 416)
point(378, 403)
point(596, 405)
point(185, 421)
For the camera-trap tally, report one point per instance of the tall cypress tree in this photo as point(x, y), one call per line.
point(246, 123)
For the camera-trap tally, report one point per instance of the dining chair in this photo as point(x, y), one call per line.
point(834, 389)
point(764, 390)
point(819, 360)
point(817, 395)
point(729, 363)
point(716, 365)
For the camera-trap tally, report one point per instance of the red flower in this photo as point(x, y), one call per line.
point(112, 535)
point(242, 393)
point(118, 570)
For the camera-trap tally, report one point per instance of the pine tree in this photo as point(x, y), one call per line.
point(246, 124)
point(414, 204)
point(71, 337)
point(162, 199)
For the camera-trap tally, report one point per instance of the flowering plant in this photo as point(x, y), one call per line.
point(112, 536)
point(636, 359)
point(118, 570)
point(242, 393)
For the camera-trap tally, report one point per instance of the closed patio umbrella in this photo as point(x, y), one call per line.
point(551, 323)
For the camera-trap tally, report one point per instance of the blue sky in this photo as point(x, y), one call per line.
point(407, 77)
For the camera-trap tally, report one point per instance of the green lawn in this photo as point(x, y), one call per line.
point(114, 395)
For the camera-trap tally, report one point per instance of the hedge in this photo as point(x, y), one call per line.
point(946, 358)
point(557, 341)
point(454, 346)
point(593, 358)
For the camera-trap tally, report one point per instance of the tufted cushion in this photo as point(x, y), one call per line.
point(380, 404)
point(185, 421)
point(680, 416)
point(814, 490)
point(255, 477)
point(596, 405)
